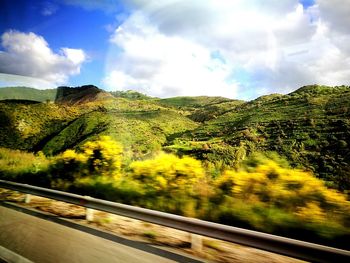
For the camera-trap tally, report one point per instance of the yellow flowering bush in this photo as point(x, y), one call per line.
point(100, 157)
point(167, 172)
point(270, 187)
point(104, 156)
point(168, 183)
point(71, 155)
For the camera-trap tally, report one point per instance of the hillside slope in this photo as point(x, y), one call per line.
point(24, 93)
point(25, 124)
point(310, 126)
point(83, 113)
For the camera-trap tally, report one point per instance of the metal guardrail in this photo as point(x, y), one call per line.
point(281, 245)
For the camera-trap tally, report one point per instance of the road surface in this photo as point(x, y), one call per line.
point(40, 240)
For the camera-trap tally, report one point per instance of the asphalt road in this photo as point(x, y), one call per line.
point(40, 240)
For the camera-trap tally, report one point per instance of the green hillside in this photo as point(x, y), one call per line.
point(24, 93)
point(130, 94)
point(141, 132)
point(201, 108)
point(84, 113)
point(192, 102)
point(310, 127)
point(25, 124)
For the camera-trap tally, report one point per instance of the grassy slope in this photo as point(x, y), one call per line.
point(310, 127)
point(141, 126)
point(201, 108)
point(130, 94)
point(192, 102)
point(24, 124)
point(24, 93)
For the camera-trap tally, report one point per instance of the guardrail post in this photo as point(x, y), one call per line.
point(196, 242)
point(89, 212)
point(27, 198)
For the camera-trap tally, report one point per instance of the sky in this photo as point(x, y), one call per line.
point(239, 49)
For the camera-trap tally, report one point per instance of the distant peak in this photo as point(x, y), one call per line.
point(79, 88)
point(78, 95)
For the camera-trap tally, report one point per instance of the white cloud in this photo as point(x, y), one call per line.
point(76, 56)
point(163, 65)
point(28, 54)
point(336, 13)
point(270, 46)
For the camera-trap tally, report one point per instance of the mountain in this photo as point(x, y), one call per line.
point(310, 126)
point(80, 95)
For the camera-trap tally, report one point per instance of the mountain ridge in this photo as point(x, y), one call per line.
point(79, 95)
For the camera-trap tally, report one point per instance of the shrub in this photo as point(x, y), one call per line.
point(269, 190)
point(96, 158)
point(66, 168)
point(169, 182)
point(25, 167)
point(104, 156)
point(167, 172)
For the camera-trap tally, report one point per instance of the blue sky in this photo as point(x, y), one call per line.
point(233, 48)
point(68, 26)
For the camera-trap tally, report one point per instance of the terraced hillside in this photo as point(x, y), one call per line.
point(310, 127)
point(201, 108)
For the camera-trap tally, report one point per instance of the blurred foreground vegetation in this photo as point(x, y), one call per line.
point(262, 192)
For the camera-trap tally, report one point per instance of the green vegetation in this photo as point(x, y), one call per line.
point(192, 102)
point(263, 193)
point(14, 163)
point(24, 93)
point(130, 94)
point(81, 95)
point(310, 127)
point(27, 125)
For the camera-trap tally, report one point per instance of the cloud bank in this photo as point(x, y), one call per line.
point(230, 48)
point(28, 54)
point(163, 65)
